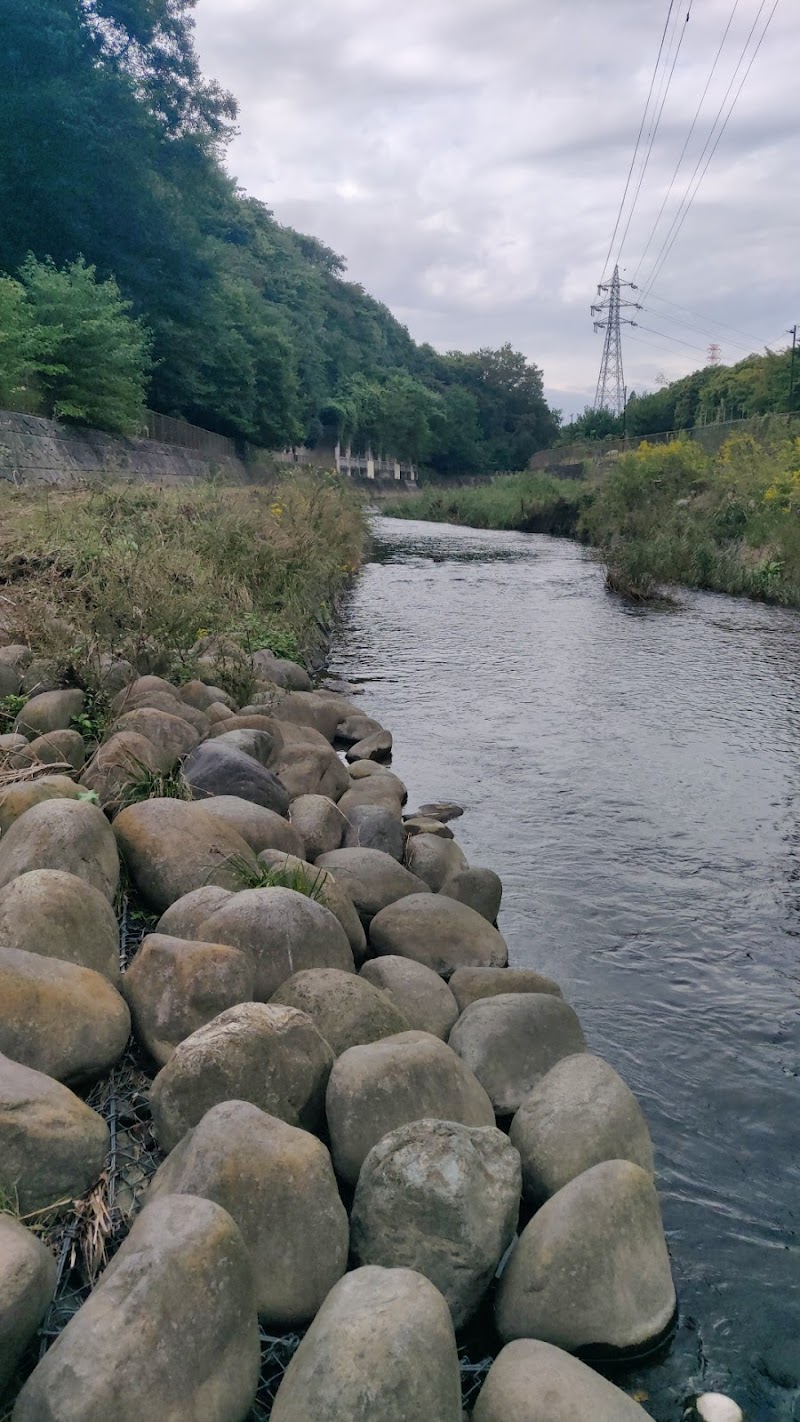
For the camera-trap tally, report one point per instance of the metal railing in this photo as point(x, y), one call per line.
point(167, 430)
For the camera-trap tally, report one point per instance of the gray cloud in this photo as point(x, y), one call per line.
point(467, 157)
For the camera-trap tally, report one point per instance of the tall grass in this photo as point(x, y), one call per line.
point(145, 573)
point(529, 502)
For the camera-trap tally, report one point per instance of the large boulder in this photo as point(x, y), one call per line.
point(58, 748)
point(376, 746)
point(277, 1183)
point(439, 933)
point(60, 916)
point(469, 985)
point(27, 1284)
point(355, 727)
point(122, 761)
point(259, 827)
point(19, 797)
point(153, 692)
point(479, 889)
point(171, 847)
point(420, 993)
point(283, 931)
point(442, 1199)
point(311, 770)
point(173, 987)
point(579, 1114)
point(184, 918)
point(347, 1010)
point(304, 708)
point(281, 671)
point(319, 822)
point(202, 697)
point(9, 680)
point(52, 1145)
point(592, 1266)
point(171, 737)
point(381, 1349)
point(371, 879)
point(376, 1088)
point(327, 892)
point(58, 1018)
point(170, 1331)
point(273, 1057)
point(434, 859)
point(535, 1382)
point(376, 790)
point(510, 1042)
point(49, 711)
point(70, 835)
point(375, 827)
point(257, 721)
point(219, 769)
point(256, 742)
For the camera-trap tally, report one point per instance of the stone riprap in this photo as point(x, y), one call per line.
point(327, 1033)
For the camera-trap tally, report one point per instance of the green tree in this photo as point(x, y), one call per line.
point(90, 358)
point(592, 424)
point(16, 352)
point(514, 417)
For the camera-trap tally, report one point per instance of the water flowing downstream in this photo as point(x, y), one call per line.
point(634, 777)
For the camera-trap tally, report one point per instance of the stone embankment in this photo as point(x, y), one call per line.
point(368, 1129)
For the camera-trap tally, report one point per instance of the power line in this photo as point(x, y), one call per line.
point(652, 345)
point(688, 138)
point(699, 315)
point(700, 331)
point(638, 137)
point(683, 209)
point(655, 127)
point(667, 337)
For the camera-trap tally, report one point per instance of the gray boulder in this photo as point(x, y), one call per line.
point(246, 721)
point(16, 654)
point(311, 770)
point(183, 918)
point(117, 765)
point(442, 810)
point(470, 985)
point(510, 1042)
point(375, 1088)
point(377, 790)
point(535, 1382)
point(115, 673)
point(60, 916)
point(58, 748)
point(479, 889)
point(381, 1349)
point(260, 744)
point(371, 879)
point(377, 746)
point(592, 1266)
point(203, 697)
point(169, 1332)
point(173, 987)
point(346, 1010)
point(281, 671)
point(278, 1184)
point(579, 1114)
point(434, 859)
point(283, 931)
point(10, 680)
point(319, 822)
point(420, 993)
point(58, 1018)
point(356, 727)
point(21, 796)
point(326, 892)
point(69, 835)
point(273, 1057)
point(171, 737)
point(49, 711)
point(437, 932)
point(217, 712)
point(219, 769)
point(171, 847)
point(259, 827)
point(27, 1284)
point(375, 827)
point(442, 1199)
point(52, 1145)
point(419, 824)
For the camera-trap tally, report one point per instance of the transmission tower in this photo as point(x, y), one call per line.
point(714, 353)
point(611, 382)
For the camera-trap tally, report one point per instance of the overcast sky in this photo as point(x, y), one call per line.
point(468, 157)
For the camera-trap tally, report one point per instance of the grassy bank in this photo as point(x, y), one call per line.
point(674, 514)
point(146, 573)
point(531, 503)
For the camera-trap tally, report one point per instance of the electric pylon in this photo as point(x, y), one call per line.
point(610, 393)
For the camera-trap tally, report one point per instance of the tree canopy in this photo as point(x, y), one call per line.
point(113, 163)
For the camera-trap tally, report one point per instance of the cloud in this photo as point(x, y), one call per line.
point(468, 157)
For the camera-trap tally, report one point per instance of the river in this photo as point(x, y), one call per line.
point(634, 777)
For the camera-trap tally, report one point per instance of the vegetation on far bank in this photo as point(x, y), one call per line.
point(661, 515)
point(150, 574)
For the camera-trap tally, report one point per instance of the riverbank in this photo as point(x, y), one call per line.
point(266, 1094)
point(660, 516)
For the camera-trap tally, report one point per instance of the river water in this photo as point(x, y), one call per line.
point(634, 777)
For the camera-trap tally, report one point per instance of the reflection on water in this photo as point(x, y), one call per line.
point(633, 776)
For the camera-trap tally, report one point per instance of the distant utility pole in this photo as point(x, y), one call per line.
point(714, 353)
point(610, 394)
point(793, 334)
